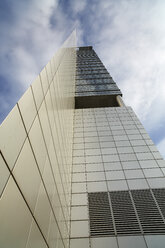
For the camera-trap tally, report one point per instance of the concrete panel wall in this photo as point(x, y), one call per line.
point(112, 152)
point(36, 158)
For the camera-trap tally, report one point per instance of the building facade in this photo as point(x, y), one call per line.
point(36, 158)
point(118, 180)
point(77, 167)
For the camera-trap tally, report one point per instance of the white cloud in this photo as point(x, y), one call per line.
point(28, 41)
point(130, 40)
point(78, 6)
point(161, 147)
point(129, 37)
point(28, 35)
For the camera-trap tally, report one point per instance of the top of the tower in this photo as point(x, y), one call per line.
point(85, 48)
point(94, 85)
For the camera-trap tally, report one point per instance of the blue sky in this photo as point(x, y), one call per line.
point(128, 36)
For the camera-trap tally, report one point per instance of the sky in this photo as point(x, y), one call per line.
point(127, 35)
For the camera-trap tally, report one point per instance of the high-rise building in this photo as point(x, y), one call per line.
point(77, 167)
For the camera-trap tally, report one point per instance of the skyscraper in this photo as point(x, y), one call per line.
point(77, 167)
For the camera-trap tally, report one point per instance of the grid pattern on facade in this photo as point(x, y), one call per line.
point(134, 212)
point(92, 78)
point(112, 156)
point(113, 150)
point(36, 159)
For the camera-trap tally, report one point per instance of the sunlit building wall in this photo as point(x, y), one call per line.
point(118, 180)
point(77, 168)
point(36, 158)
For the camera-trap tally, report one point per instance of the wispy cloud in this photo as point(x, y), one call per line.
point(28, 40)
point(129, 37)
point(78, 6)
point(161, 147)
